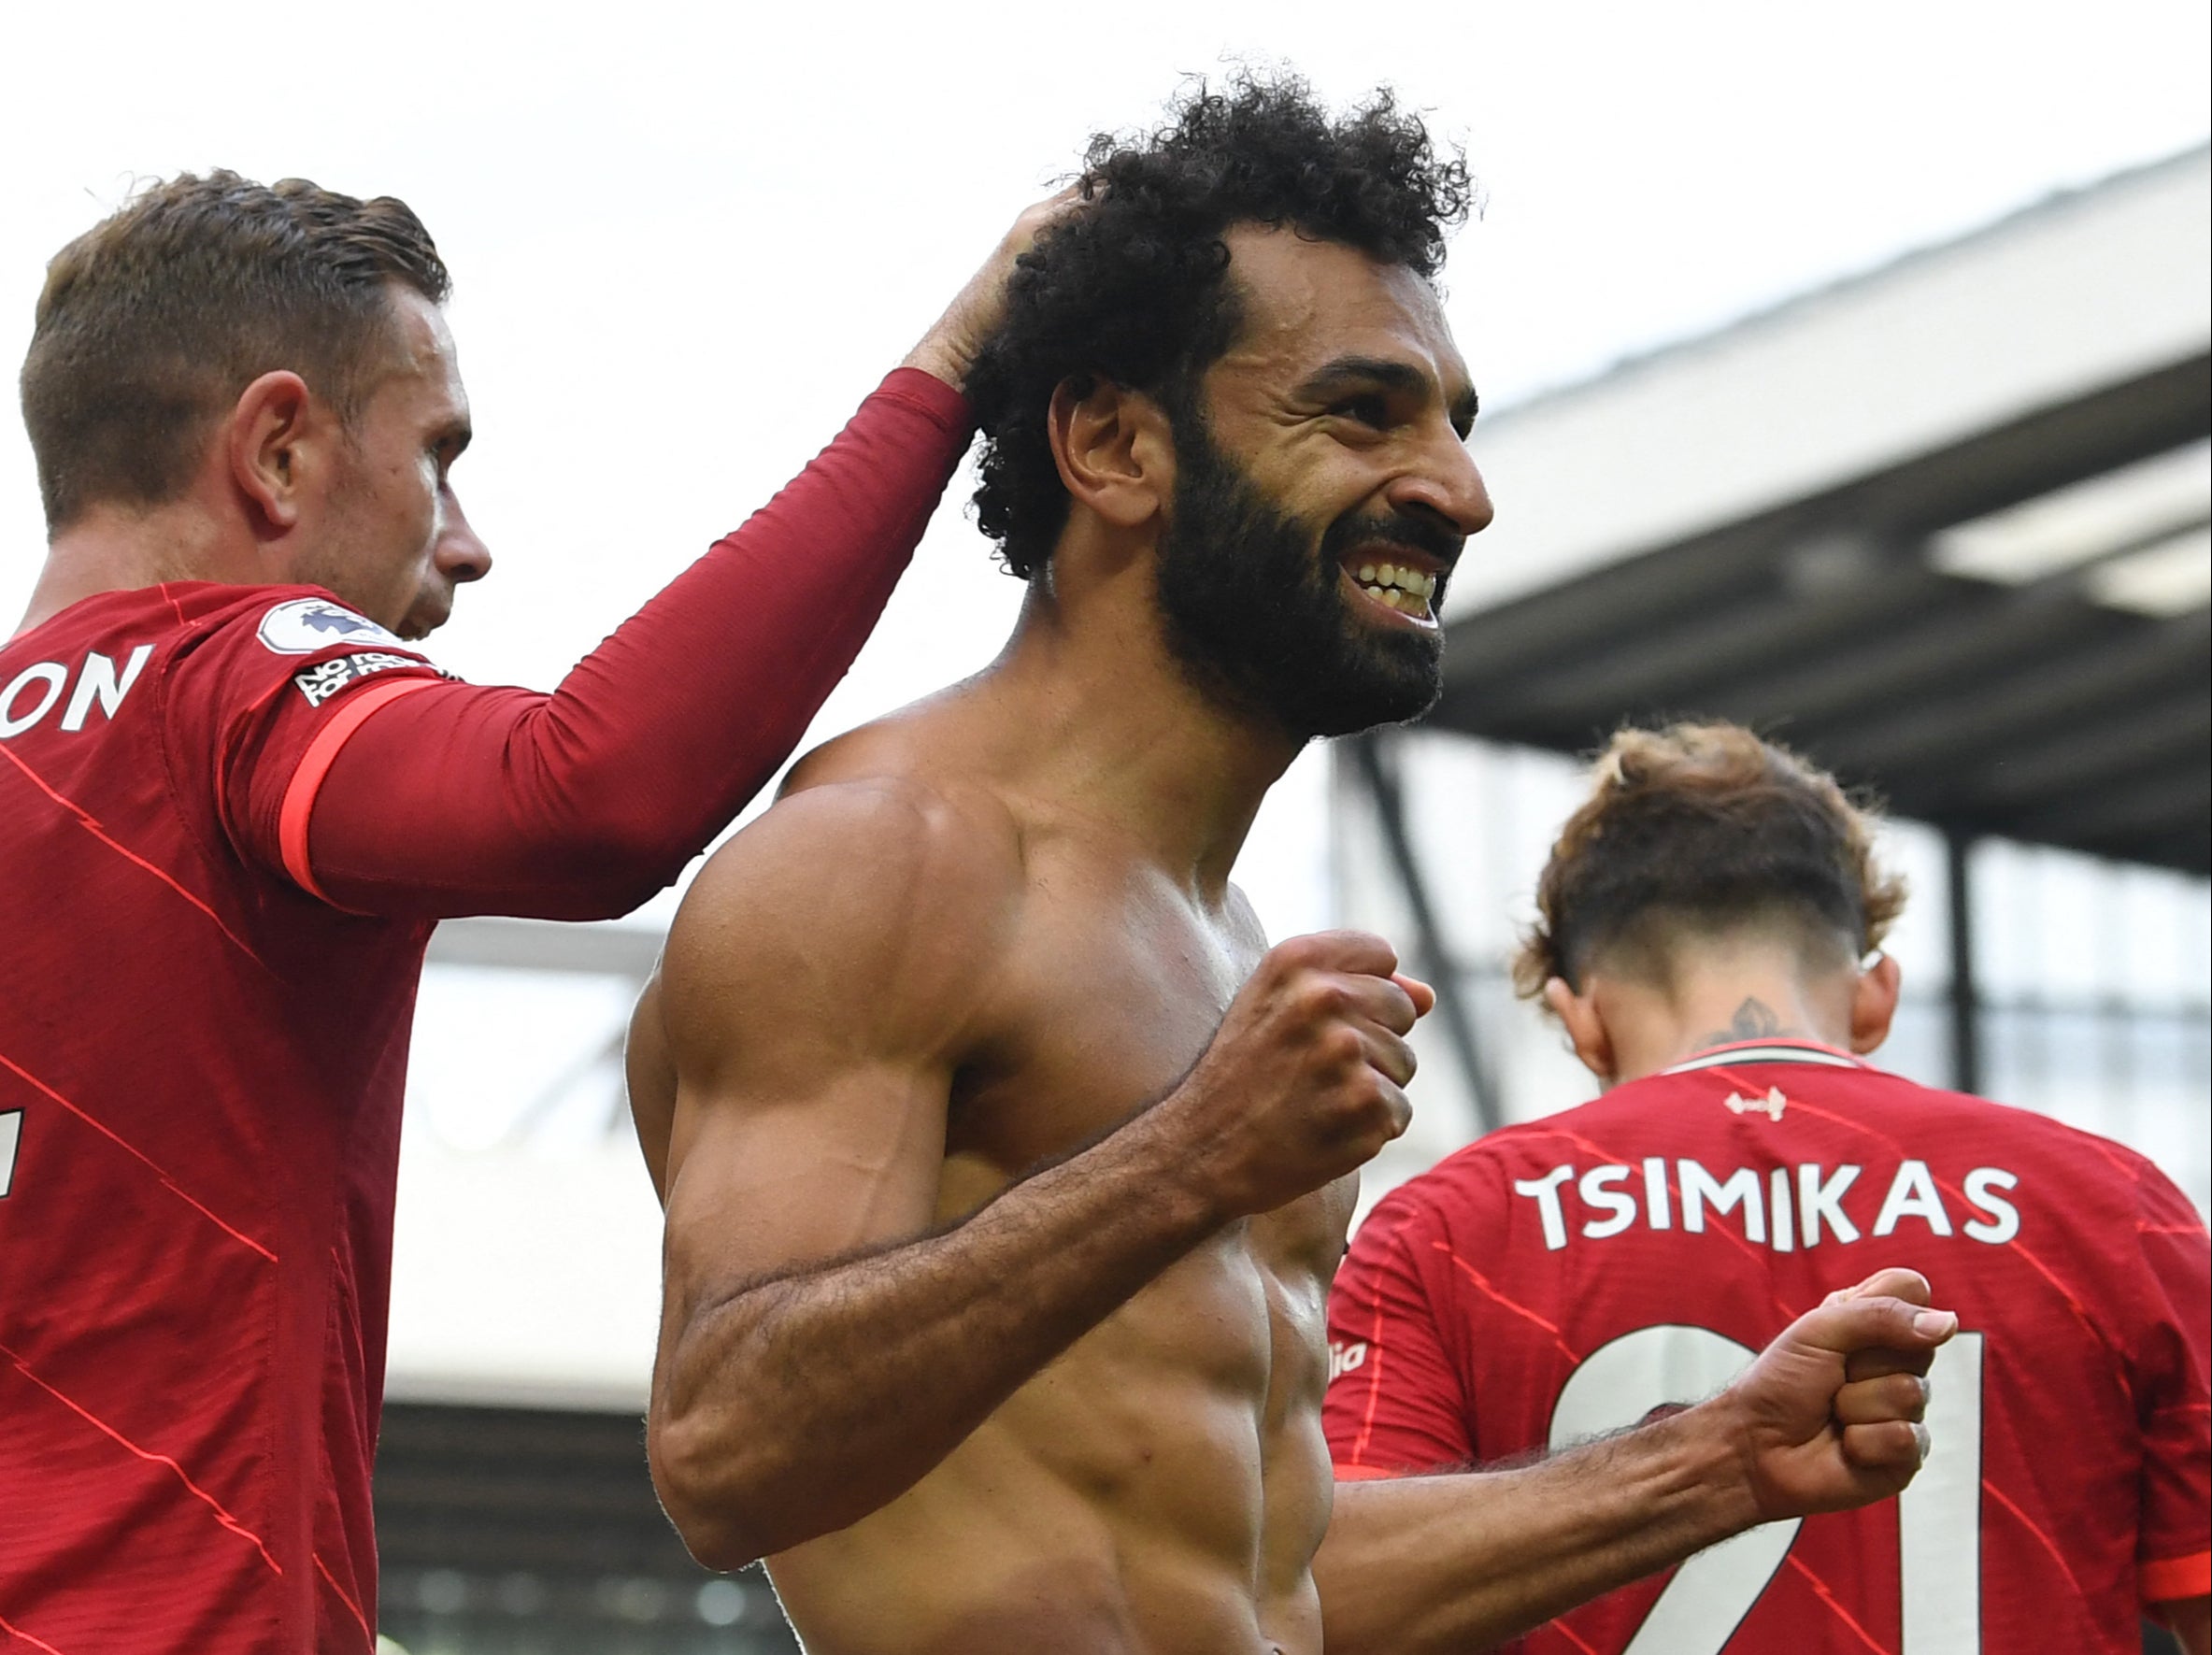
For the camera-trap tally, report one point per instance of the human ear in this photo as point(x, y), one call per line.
point(1873, 1003)
point(1585, 1026)
point(1112, 446)
point(264, 438)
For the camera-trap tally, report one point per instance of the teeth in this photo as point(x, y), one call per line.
point(1404, 589)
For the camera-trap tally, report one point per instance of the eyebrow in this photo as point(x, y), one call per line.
point(1348, 371)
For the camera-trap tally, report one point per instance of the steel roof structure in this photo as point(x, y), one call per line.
point(1942, 527)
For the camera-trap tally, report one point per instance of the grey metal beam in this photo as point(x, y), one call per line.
point(2132, 660)
point(1966, 1000)
point(2167, 802)
point(1699, 662)
point(1381, 777)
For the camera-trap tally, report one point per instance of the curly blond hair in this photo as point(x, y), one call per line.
point(1705, 824)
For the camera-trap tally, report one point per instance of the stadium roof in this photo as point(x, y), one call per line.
point(1943, 527)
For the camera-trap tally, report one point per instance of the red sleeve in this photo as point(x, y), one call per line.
point(1395, 1401)
point(2173, 1397)
point(581, 804)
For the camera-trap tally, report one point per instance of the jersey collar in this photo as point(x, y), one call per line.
point(1767, 1052)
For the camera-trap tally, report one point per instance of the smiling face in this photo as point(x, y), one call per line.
point(1323, 493)
point(394, 542)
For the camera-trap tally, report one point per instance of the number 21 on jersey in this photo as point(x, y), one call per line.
point(1938, 1516)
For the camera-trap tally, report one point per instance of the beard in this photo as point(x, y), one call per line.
point(1253, 610)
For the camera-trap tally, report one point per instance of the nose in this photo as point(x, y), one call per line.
point(460, 556)
point(1443, 481)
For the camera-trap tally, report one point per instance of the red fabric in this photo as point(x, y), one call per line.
point(201, 1064)
point(1461, 1314)
point(308, 775)
point(581, 804)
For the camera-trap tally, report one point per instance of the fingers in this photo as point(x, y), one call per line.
point(1876, 1363)
point(1893, 1448)
point(1392, 1057)
point(1422, 996)
point(1893, 1282)
point(1892, 1397)
point(1848, 1325)
point(1357, 951)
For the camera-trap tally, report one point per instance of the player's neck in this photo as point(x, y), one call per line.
point(1112, 728)
point(1654, 1028)
point(113, 549)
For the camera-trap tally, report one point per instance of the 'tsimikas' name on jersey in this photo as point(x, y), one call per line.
point(1782, 1207)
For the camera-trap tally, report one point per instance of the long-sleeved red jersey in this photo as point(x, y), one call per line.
point(228, 817)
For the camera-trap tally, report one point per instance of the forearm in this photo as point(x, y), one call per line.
point(800, 1404)
point(1459, 1562)
point(457, 800)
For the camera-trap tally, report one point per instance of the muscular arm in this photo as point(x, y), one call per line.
point(833, 1325)
point(1823, 1421)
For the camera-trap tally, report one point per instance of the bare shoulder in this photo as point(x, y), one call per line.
point(873, 904)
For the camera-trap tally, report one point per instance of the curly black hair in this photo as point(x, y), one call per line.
point(1131, 289)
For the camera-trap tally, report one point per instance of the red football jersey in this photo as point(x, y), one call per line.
point(1561, 1278)
point(201, 1068)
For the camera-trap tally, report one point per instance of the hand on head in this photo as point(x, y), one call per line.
point(949, 350)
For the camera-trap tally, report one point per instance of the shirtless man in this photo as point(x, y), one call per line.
point(1005, 1168)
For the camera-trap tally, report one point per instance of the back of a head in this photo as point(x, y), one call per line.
point(1132, 288)
point(155, 320)
point(1700, 832)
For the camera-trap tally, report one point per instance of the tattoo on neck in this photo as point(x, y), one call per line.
point(1754, 1020)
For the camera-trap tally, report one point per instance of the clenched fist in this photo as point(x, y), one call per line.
point(1828, 1416)
point(1304, 1080)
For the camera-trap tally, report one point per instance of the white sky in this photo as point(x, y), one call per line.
point(687, 239)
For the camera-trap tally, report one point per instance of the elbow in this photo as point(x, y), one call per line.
point(598, 873)
point(711, 1490)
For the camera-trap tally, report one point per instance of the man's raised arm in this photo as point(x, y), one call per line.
point(451, 799)
point(835, 1320)
point(1825, 1420)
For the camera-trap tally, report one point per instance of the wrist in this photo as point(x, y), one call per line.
point(941, 361)
point(1712, 1454)
point(1177, 1174)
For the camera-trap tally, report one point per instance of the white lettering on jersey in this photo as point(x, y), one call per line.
point(1546, 1191)
point(1817, 1201)
point(2004, 1219)
point(1912, 1194)
point(14, 721)
point(1344, 1356)
point(1699, 1187)
point(11, 1134)
point(1655, 1193)
point(96, 680)
point(326, 678)
point(1595, 1193)
point(1777, 1206)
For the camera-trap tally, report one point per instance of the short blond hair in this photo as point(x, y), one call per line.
point(1704, 825)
